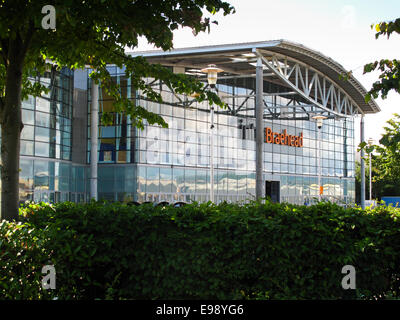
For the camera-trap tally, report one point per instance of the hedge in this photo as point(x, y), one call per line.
point(200, 251)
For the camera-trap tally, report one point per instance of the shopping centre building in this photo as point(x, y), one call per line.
point(278, 85)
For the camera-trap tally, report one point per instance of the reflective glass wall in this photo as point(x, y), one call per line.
point(116, 179)
point(172, 164)
point(115, 143)
point(47, 173)
point(47, 119)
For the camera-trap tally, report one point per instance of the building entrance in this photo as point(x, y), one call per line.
point(272, 190)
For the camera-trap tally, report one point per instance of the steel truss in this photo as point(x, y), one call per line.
point(310, 84)
point(308, 90)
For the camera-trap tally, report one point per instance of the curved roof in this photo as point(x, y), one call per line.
point(231, 56)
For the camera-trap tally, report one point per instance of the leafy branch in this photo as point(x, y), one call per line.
point(389, 79)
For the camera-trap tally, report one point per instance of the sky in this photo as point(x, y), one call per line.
point(338, 29)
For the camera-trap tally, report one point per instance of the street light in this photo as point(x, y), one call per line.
point(319, 119)
point(212, 76)
point(370, 142)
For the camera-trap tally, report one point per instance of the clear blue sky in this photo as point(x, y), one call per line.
point(338, 29)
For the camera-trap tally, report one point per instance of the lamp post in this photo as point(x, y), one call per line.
point(212, 76)
point(319, 120)
point(370, 142)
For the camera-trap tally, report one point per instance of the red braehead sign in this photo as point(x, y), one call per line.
point(283, 138)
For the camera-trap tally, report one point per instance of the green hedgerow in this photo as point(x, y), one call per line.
point(200, 251)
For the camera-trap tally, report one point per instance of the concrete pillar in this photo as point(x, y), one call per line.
point(362, 138)
point(94, 132)
point(259, 130)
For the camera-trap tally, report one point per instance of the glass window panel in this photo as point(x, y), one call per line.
point(241, 178)
point(107, 132)
point(28, 117)
point(122, 156)
point(41, 168)
point(65, 96)
point(201, 181)
point(107, 149)
point(190, 181)
point(251, 184)
point(153, 182)
point(190, 125)
point(165, 180)
point(27, 132)
point(190, 154)
point(64, 184)
point(142, 156)
point(65, 153)
point(43, 105)
point(26, 168)
point(178, 180)
point(165, 158)
point(232, 183)
point(166, 110)
point(284, 168)
point(41, 182)
point(106, 172)
point(179, 112)
point(153, 156)
point(141, 178)
point(42, 149)
point(191, 114)
point(42, 119)
point(153, 107)
point(106, 105)
point(42, 134)
point(106, 185)
point(29, 103)
point(25, 184)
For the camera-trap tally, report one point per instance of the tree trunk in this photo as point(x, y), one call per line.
point(11, 126)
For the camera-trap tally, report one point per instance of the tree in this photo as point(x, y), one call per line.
point(385, 165)
point(385, 161)
point(389, 79)
point(95, 33)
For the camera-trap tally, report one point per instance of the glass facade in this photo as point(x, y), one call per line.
point(115, 143)
point(47, 119)
point(47, 172)
point(173, 164)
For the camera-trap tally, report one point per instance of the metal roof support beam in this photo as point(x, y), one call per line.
point(301, 85)
point(267, 94)
point(245, 100)
point(287, 118)
point(239, 76)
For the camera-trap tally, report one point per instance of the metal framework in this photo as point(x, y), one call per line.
point(310, 79)
point(309, 82)
point(309, 92)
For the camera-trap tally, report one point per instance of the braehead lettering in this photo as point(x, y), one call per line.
point(283, 138)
